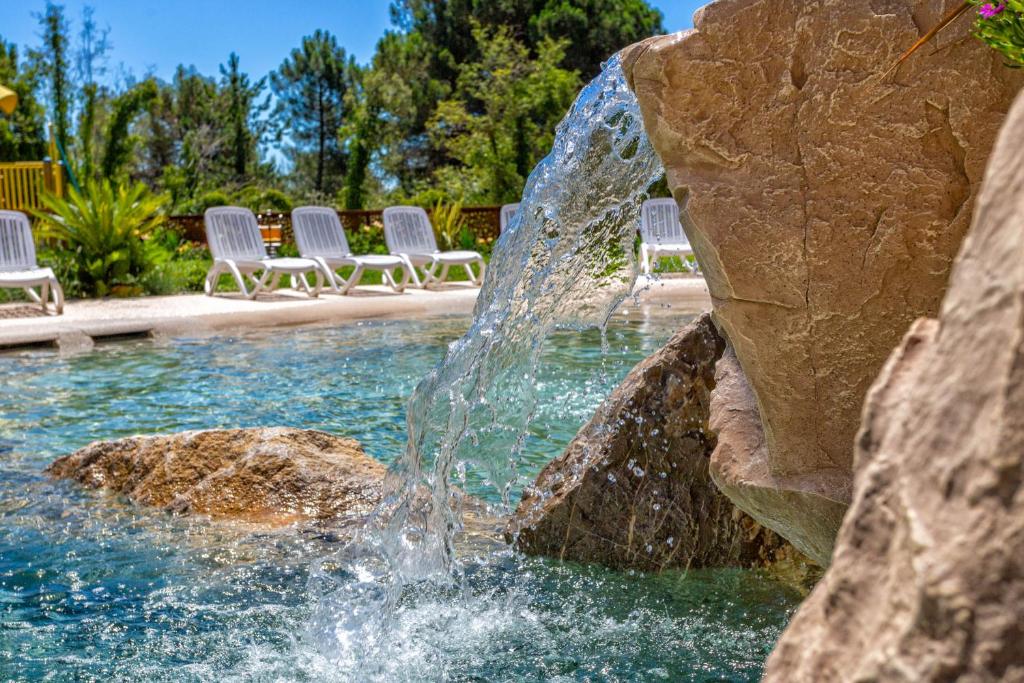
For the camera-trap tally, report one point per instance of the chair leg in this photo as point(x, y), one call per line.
point(645, 260)
point(440, 279)
point(58, 297)
point(240, 280)
point(44, 294)
point(32, 294)
point(212, 276)
point(318, 277)
point(353, 279)
point(414, 274)
point(275, 281)
point(401, 284)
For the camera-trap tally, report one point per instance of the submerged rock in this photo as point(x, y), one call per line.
point(825, 205)
point(272, 476)
point(632, 490)
point(927, 580)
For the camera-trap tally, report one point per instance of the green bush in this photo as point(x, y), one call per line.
point(1001, 26)
point(101, 232)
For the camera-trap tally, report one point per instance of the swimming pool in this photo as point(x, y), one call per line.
point(92, 588)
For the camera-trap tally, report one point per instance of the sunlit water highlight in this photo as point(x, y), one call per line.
point(96, 589)
point(565, 260)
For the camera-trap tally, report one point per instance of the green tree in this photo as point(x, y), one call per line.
point(310, 86)
point(93, 46)
point(245, 129)
point(22, 134)
point(119, 141)
point(502, 119)
point(54, 64)
point(594, 29)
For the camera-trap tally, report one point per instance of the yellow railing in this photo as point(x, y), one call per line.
point(22, 183)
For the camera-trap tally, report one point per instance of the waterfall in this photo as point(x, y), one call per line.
point(565, 260)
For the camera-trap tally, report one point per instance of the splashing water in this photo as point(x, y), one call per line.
point(565, 260)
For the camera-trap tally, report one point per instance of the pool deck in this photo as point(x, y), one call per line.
point(87, 321)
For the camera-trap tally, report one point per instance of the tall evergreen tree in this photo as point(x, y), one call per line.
point(245, 129)
point(119, 141)
point(54, 60)
point(310, 86)
point(93, 46)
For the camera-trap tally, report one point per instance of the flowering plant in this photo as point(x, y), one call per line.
point(1001, 25)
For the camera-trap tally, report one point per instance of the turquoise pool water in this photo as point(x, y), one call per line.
point(92, 588)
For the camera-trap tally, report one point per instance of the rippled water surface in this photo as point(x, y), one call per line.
point(94, 589)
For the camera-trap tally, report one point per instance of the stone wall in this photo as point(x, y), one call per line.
point(825, 204)
point(927, 580)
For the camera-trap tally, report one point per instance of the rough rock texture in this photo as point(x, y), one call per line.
point(271, 476)
point(632, 490)
point(927, 581)
point(825, 204)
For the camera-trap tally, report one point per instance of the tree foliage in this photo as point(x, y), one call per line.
point(502, 117)
point(311, 87)
point(22, 135)
point(458, 103)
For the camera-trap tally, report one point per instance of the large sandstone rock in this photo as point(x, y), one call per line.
point(271, 476)
point(825, 206)
point(632, 490)
point(927, 580)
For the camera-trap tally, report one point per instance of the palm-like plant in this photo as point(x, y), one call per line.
point(448, 223)
point(103, 227)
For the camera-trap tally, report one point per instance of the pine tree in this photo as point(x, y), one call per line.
point(53, 58)
point(310, 86)
point(244, 130)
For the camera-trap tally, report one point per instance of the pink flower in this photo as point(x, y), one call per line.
point(989, 10)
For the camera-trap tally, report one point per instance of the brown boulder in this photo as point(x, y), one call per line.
point(927, 580)
point(632, 490)
point(825, 204)
point(272, 476)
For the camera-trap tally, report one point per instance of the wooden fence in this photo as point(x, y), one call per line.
point(22, 183)
point(484, 222)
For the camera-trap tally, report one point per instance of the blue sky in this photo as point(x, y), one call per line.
point(155, 37)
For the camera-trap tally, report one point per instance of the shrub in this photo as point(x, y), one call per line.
point(1001, 26)
point(103, 229)
point(449, 224)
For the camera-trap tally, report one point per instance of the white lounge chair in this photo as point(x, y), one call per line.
point(321, 237)
point(507, 212)
point(661, 234)
point(18, 267)
point(410, 236)
point(237, 247)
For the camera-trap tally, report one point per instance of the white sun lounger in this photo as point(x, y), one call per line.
point(237, 247)
point(321, 237)
point(507, 213)
point(661, 234)
point(410, 236)
point(18, 267)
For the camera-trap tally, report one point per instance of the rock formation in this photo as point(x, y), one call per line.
point(272, 476)
point(825, 205)
point(633, 490)
point(927, 580)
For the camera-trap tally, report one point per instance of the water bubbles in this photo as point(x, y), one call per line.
point(611, 478)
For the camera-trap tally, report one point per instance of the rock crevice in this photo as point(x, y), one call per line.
point(828, 214)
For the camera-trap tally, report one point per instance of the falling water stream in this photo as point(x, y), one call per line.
point(92, 588)
point(565, 260)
